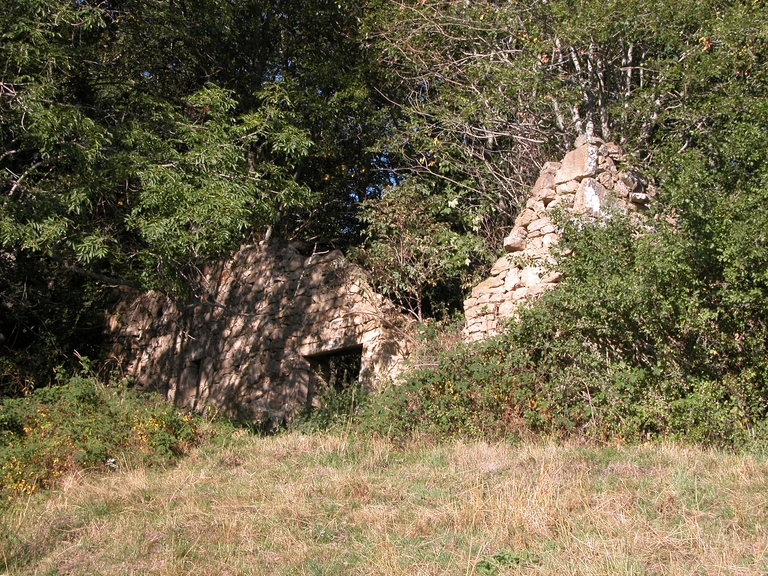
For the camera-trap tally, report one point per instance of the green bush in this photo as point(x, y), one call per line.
point(84, 423)
point(633, 345)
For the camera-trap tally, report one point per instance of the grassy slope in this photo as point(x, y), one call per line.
point(329, 504)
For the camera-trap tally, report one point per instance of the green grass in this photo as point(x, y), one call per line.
point(297, 504)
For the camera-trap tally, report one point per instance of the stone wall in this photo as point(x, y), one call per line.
point(247, 349)
point(589, 181)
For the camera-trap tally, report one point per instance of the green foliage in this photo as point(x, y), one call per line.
point(45, 314)
point(337, 397)
point(139, 138)
point(472, 119)
point(337, 409)
point(202, 191)
point(654, 332)
point(417, 249)
point(460, 391)
point(628, 347)
point(631, 340)
point(84, 423)
point(500, 560)
point(490, 91)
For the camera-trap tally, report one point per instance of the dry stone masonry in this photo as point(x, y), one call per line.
point(247, 350)
point(589, 181)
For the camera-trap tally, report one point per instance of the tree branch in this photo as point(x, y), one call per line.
point(94, 275)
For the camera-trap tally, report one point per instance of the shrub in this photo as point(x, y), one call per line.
point(635, 344)
point(84, 423)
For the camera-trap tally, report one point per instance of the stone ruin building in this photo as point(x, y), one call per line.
point(589, 181)
point(271, 321)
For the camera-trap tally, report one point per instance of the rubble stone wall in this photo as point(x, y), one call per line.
point(589, 181)
point(246, 350)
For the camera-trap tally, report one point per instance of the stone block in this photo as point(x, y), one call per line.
point(535, 244)
point(530, 276)
point(639, 198)
point(545, 181)
point(512, 279)
point(629, 179)
point(552, 277)
point(550, 167)
point(485, 286)
point(624, 184)
point(549, 239)
point(567, 187)
point(558, 201)
point(334, 257)
point(578, 164)
point(470, 313)
point(538, 224)
point(475, 326)
point(520, 294)
point(589, 198)
point(525, 218)
point(508, 308)
point(605, 163)
point(536, 205)
point(606, 179)
point(613, 150)
point(515, 241)
point(502, 265)
point(537, 289)
point(547, 196)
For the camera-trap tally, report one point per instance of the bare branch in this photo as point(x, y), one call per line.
point(24, 174)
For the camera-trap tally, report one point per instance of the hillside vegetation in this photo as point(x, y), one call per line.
point(138, 139)
point(618, 426)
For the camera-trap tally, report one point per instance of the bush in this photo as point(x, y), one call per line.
point(633, 345)
point(84, 423)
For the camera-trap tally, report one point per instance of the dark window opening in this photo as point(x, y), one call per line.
point(338, 370)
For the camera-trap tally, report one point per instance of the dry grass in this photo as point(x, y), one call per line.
point(296, 504)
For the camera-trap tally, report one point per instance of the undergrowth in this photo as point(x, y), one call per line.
point(630, 347)
point(496, 390)
point(82, 423)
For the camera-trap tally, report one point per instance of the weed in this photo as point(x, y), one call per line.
point(490, 566)
point(419, 507)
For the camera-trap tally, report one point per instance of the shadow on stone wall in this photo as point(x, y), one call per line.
point(245, 348)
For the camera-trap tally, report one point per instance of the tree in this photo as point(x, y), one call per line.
point(489, 91)
point(416, 249)
point(467, 87)
point(138, 138)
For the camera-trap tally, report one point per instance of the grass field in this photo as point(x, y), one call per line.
point(338, 504)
